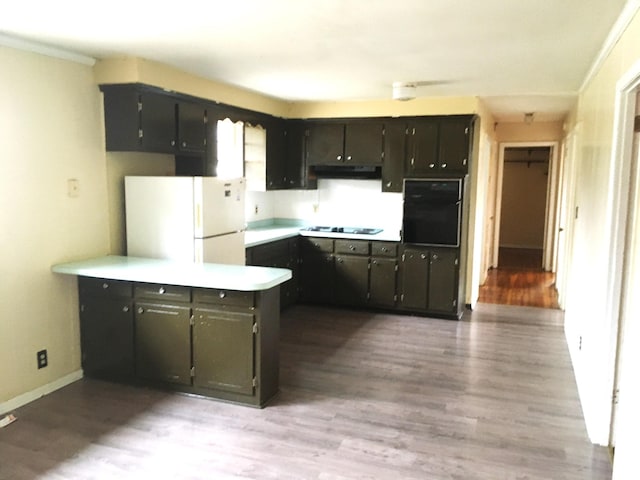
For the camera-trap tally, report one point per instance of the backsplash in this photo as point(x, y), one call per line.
point(357, 203)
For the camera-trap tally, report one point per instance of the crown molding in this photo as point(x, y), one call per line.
point(41, 48)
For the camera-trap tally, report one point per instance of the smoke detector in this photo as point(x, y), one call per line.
point(404, 91)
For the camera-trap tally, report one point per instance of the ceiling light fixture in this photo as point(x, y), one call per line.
point(404, 91)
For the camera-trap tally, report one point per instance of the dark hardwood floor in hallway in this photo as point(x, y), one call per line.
point(364, 395)
point(520, 280)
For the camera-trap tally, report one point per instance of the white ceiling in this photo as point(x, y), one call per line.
point(518, 55)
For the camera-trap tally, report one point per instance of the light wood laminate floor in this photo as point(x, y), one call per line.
point(363, 396)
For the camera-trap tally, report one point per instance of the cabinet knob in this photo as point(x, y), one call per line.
point(384, 249)
point(348, 158)
point(352, 248)
point(222, 294)
point(125, 308)
point(435, 256)
point(432, 165)
point(444, 165)
point(389, 184)
point(374, 262)
point(173, 143)
point(339, 157)
point(161, 291)
point(140, 310)
point(339, 260)
point(184, 144)
point(105, 286)
point(423, 256)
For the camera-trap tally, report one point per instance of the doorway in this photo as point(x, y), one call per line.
point(521, 270)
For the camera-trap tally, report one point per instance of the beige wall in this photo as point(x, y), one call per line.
point(533, 132)
point(51, 130)
point(589, 323)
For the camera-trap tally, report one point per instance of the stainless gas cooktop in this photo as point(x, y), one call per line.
point(348, 230)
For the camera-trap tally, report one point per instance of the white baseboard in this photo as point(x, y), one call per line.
point(29, 397)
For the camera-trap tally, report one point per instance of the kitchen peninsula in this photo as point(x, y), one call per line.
point(206, 329)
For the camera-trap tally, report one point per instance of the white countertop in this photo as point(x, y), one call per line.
point(169, 272)
point(259, 236)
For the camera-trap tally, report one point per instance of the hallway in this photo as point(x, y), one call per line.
point(520, 280)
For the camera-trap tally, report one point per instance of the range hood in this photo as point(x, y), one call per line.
point(347, 171)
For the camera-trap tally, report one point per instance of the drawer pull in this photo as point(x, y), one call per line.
point(105, 286)
point(161, 291)
point(125, 309)
point(222, 294)
point(140, 310)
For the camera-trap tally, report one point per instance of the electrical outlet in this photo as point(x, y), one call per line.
point(73, 187)
point(580, 343)
point(42, 359)
point(256, 210)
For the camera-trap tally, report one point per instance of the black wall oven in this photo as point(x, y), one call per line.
point(432, 211)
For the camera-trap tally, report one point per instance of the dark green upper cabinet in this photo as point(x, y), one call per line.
point(138, 119)
point(395, 151)
point(191, 126)
point(423, 146)
point(325, 143)
point(455, 147)
point(344, 143)
point(439, 145)
point(285, 154)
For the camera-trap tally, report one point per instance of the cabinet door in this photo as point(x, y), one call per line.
point(106, 332)
point(351, 279)
point(414, 271)
point(223, 346)
point(157, 123)
point(382, 282)
point(276, 156)
point(443, 280)
point(191, 127)
point(317, 277)
point(363, 143)
point(163, 342)
point(325, 143)
point(395, 147)
point(424, 147)
point(454, 145)
point(295, 169)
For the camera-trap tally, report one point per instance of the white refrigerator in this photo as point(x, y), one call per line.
point(193, 219)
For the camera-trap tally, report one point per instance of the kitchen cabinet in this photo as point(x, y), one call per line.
point(223, 350)
point(439, 145)
point(163, 342)
point(423, 146)
point(351, 269)
point(280, 254)
point(382, 274)
point(285, 155)
point(350, 143)
point(429, 280)
point(140, 119)
point(106, 328)
point(316, 270)
point(395, 148)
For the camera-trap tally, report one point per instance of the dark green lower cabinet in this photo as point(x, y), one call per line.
point(223, 350)
point(429, 280)
point(414, 279)
point(443, 287)
point(163, 342)
point(317, 278)
point(351, 280)
point(382, 282)
point(106, 329)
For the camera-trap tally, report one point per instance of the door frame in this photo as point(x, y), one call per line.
point(622, 189)
point(551, 211)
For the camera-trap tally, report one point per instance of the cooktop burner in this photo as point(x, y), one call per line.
point(349, 230)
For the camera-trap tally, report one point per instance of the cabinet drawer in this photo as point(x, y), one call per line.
point(157, 291)
point(224, 297)
point(384, 249)
point(318, 244)
point(104, 288)
point(353, 247)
